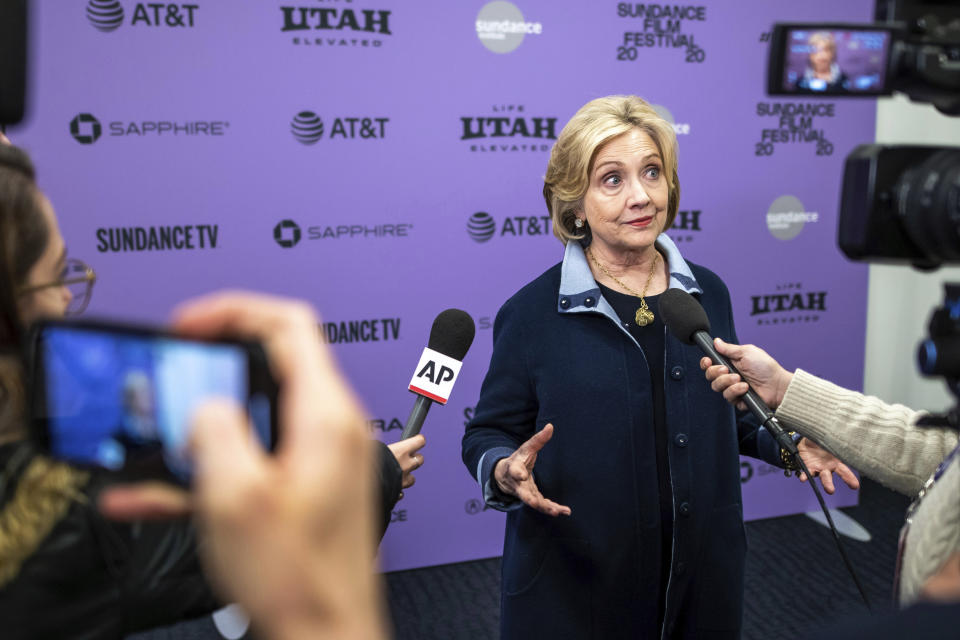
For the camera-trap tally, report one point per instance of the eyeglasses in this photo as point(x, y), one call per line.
point(78, 278)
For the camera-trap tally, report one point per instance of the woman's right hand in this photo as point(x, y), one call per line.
point(514, 475)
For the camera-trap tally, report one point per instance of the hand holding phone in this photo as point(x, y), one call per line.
point(113, 395)
point(288, 535)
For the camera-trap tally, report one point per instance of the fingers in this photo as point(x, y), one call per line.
point(223, 448)
point(320, 414)
point(732, 351)
point(408, 446)
point(531, 496)
point(408, 481)
point(144, 501)
point(826, 479)
point(536, 441)
point(4, 139)
point(848, 476)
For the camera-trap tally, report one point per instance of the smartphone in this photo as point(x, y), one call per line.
point(831, 59)
point(111, 395)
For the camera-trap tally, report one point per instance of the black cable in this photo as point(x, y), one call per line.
point(833, 529)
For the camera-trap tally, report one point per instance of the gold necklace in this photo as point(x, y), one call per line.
point(644, 316)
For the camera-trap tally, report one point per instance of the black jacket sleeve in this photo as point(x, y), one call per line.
point(389, 482)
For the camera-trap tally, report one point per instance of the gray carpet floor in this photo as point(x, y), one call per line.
point(787, 595)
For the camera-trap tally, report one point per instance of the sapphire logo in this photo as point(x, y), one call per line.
point(307, 127)
point(481, 226)
point(287, 233)
point(85, 129)
point(105, 15)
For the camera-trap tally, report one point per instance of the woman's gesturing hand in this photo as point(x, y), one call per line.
point(514, 475)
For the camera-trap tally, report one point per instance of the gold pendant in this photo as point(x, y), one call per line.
point(644, 315)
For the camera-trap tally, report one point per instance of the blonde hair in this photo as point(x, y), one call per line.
point(44, 494)
point(572, 157)
point(826, 38)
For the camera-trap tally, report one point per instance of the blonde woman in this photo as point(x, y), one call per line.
point(617, 464)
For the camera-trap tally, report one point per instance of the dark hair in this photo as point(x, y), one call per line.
point(23, 237)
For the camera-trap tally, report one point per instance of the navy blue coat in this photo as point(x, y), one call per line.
point(560, 356)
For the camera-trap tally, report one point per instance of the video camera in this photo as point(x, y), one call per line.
point(898, 203)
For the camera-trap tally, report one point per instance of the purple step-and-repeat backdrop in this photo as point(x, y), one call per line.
point(384, 161)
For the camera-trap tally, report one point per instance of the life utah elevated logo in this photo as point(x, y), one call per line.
point(326, 24)
point(508, 128)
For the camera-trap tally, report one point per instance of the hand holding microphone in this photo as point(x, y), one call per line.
point(688, 322)
point(762, 378)
point(754, 368)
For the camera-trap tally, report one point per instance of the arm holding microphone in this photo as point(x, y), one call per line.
point(881, 440)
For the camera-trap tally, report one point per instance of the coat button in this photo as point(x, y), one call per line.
point(589, 302)
point(681, 439)
point(564, 303)
point(684, 508)
point(680, 568)
point(676, 373)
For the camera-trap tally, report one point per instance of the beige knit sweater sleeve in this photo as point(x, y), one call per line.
point(878, 439)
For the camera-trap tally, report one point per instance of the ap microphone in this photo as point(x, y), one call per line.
point(450, 339)
point(688, 322)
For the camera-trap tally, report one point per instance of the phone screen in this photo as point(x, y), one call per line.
point(836, 60)
point(113, 396)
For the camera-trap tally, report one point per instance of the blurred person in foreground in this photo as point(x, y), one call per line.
point(66, 571)
point(617, 465)
point(287, 534)
point(881, 440)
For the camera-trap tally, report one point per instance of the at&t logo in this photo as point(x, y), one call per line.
point(287, 233)
point(307, 128)
point(108, 15)
point(481, 226)
point(105, 15)
point(85, 128)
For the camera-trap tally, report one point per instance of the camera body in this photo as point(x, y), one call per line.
point(899, 204)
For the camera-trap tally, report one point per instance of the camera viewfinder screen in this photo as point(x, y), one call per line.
point(114, 396)
point(847, 61)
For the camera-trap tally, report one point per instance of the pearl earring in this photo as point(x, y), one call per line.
point(578, 223)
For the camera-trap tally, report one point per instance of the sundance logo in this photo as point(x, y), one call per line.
point(501, 27)
point(681, 129)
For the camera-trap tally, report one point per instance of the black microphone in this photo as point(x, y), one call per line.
point(450, 339)
point(688, 322)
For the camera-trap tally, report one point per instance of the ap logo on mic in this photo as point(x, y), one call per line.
point(435, 375)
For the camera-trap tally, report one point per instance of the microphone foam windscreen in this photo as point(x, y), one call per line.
point(452, 333)
point(682, 314)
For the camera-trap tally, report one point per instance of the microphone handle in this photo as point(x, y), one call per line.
point(756, 406)
point(417, 415)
